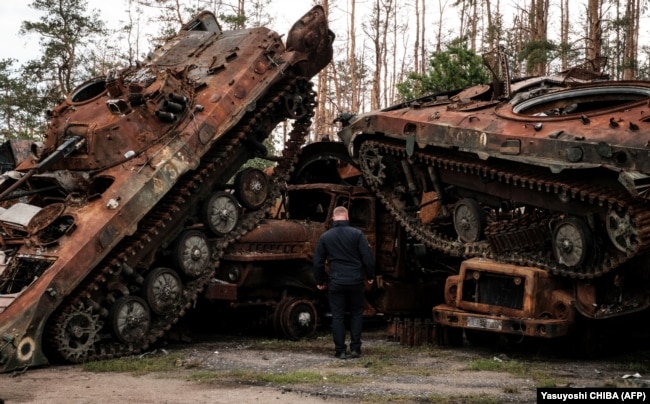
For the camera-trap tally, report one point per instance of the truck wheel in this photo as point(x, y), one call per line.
point(295, 318)
point(277, 316)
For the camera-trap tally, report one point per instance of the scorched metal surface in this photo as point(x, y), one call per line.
point(111, 228)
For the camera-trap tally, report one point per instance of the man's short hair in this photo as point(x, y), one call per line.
point(340, 211)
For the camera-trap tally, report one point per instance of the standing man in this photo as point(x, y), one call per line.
point(351, 262)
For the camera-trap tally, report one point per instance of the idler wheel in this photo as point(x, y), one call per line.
point(221, 213)
point(191, 253)
point(130, 319)
point(162, 290)
point(572, 241)
point(296, 103)
point(251, 188)
point(298, 319)
point(621, 231)
point(469, 220)
point(371, 165)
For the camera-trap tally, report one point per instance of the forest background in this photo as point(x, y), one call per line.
point(386, 51)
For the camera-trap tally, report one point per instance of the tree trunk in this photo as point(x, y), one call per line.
point(416, 47)
point(631, 38)
point(564, 33)
point(423, 45)
point(594, 35)
point(352, 60)
point(322, 119)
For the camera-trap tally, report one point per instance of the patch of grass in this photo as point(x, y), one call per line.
point(547, 382)
point(541, 375)
point(136, 365)
point(514, 367)
point(254, 377)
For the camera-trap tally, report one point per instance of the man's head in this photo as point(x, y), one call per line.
point(340, 213)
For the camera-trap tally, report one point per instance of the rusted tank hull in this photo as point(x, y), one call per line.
point(134, 160)
point(553, 175)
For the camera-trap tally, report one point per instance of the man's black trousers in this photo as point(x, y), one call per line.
point(350, 297)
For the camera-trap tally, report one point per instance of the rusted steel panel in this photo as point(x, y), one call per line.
point(221, 291)
point(125, 225)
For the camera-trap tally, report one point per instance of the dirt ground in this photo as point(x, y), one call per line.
point(387, 371)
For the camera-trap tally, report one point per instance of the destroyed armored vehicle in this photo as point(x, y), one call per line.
point(549, 173)
point(112, 228)
point(266, 276)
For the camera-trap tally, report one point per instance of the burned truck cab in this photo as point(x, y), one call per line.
point(488, 298)
point(270, 268)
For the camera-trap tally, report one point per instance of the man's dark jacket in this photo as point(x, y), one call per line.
point(348, 252)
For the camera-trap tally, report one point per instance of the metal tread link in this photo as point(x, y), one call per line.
point(156, 220)
point(638, 212)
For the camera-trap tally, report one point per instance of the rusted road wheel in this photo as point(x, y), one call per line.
point(221, 213)
point(130, 319)
point(162, 289)
point(572, 241)
point(251, 188)
point(191, 253)
point(469, 220)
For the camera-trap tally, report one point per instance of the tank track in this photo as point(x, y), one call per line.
point(74, 330)
point(511, 241)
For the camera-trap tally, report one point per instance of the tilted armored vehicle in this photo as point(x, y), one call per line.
point(550, 173)
point(118, 221)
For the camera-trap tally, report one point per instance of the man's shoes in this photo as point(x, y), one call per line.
point(340, 355)
point(355, 354)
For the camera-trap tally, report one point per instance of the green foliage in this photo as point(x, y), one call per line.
point(65, 29)
point(538, 53)
point(455, 68)
point(259, 162)
point(233, 21)
point(21, 104)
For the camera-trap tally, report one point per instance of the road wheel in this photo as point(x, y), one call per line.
point(572, 241)
point(191, 253)
point(130, 319)
point(162, 290)
point(251, 188)
point(221, 213)
point(469, 220)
